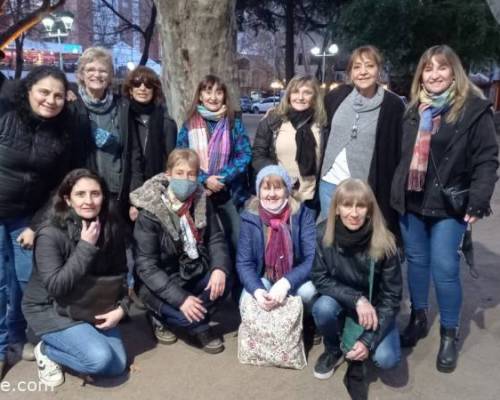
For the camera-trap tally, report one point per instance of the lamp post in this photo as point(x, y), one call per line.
point(58, 25)
point(330, 52)
point(276, 85)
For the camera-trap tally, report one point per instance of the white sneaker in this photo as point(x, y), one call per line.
point(49, 372)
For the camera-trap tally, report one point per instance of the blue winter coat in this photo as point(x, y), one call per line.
point(251, 248)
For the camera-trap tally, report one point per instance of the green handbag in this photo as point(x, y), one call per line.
point(352, 330)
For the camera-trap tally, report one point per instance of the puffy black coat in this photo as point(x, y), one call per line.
point(61, 259)
point(157, 258)
point(35, 154)
point(344, 276)
point(470, 159)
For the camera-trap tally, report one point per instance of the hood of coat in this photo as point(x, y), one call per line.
point(149, 197)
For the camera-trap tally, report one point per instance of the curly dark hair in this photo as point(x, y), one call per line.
point(35, 75)
point(144, 74)
point(109, 217)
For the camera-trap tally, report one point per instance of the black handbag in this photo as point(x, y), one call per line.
point(457, 196)
point(92, 295)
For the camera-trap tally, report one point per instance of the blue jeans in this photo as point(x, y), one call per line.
point(87, 350)
point(15, 271)
point(431, 247)
point(173, 317)
point(326, 313)
point(326, 192)
point(306, 291)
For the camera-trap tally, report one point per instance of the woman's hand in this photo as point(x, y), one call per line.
point(470, 219)
point(26, 238)
point(110, 319)
point(367, 316)
point(359, 352)
point(90, 231)
point(279, 290)
point(264, 300)
point(193, 309)
point(133, 213)
point(213, 183)
point(216, 284)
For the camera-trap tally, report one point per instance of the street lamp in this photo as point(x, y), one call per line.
point(330, 52)
point(58, 25)
point(276, 85)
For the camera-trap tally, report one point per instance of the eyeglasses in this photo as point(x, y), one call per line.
point(137, 82)
point(95, 71)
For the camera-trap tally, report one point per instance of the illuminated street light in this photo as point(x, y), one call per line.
point(332, 50)
point(58, 25)
point(276, 85)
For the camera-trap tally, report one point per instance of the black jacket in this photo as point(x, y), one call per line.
point(470, 159)
point(387, 151)
point(131, 172)
point(35, 154)
point(344, 276)
point(60, 260)
point(161, 140)
point(157, 253)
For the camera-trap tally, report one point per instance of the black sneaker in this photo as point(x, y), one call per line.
point(210, 343)
point(326, 364)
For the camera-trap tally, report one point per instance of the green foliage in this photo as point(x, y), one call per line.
point(403, 29)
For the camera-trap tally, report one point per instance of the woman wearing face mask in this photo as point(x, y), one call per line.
point(364, 133)
point(449, 142)
point(181, 255)
point(80, 246)
point(277, 241)
point(35, 147)
point(352, 240)
point(291, 137)
point(218, 136)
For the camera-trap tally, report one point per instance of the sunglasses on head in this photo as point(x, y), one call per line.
point(137, 82)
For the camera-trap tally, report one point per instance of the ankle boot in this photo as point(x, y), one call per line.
point(448, 353)
point(416, 328)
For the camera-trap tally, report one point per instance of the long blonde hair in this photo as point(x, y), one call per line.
point(317, 102)
point(463, 86)
point(349, 191)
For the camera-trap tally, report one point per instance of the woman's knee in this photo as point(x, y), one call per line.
point(324, 308)
point(101, 360)
point(386, 359)
point(307, 293)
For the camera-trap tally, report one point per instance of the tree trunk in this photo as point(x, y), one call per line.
point(198, 38)
point(289, 42)
point(495, 8)
point(19, 57)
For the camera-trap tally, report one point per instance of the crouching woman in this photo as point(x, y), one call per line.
point(277, 241)
point(182, 259)
point(76, 295)
point(352, 240)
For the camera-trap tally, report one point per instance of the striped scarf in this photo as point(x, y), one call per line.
point(430, 109)
point(214, 153)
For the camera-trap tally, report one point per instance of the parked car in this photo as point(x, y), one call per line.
point(264, 105)
point(245, 104)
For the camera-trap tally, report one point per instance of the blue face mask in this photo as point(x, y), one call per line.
point(182, 188)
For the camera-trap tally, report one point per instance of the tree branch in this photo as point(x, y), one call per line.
point(125, 20)
point(28, 22)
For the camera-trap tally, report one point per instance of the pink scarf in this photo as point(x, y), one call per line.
point(279, 248)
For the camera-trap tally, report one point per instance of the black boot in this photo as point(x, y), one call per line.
point(355, 380)
point(416, 328)
point(448, 353)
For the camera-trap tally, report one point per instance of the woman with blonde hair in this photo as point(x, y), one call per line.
point(353, 248)
point(444, 181)
point(363, 133)
point(290, 136)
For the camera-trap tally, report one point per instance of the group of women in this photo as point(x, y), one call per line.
point(375, 176)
